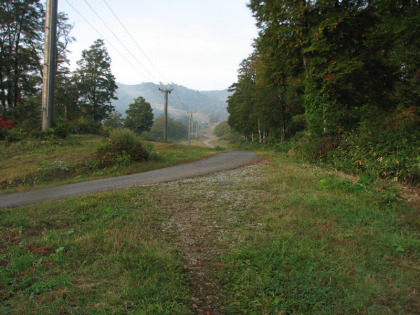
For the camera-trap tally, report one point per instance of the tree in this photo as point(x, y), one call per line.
point(96, 82)
point(114, 120)
point(139, 116)
point(176, 129)
point(20, 29)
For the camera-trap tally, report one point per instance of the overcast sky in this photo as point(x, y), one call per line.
point(195, 43)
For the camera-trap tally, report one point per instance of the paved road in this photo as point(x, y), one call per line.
point(215, 163)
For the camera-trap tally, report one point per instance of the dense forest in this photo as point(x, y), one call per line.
point(341, 79)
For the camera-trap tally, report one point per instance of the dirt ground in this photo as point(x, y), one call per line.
point(204, 213)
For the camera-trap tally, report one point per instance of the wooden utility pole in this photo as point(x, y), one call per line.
point(165, 114)
point(189, 126)
point(48, 75)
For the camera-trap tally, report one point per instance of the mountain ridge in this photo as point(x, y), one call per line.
point(205, 104)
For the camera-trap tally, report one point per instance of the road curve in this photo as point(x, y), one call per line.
point(219, 162)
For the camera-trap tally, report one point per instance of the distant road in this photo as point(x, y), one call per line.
point(216, 163)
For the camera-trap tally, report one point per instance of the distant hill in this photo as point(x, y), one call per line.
point(181, 100)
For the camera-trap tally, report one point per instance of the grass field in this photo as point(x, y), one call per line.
point(34, 164)
point(277, 237)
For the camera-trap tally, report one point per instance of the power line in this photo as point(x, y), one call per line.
point(135, 42)
point(116, 37)
point(109, 43)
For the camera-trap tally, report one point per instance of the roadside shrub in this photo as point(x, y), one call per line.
point(121, 148)
point(391, 153)
point(306, 146)
point(125, 140)
point(387, 147)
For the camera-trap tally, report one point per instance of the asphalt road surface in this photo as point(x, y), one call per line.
point(216, 163)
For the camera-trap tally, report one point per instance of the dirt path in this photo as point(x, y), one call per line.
point(219, 162)
point(204, 214)
point(208, 133)
point(204, 141)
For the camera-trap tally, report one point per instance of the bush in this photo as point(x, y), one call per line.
point(121, 148)
point(125, 140)
point(306, 146)
point(5, 126)
point(387, 147)
point(13, 136)
point(85, 126)
point(61, 130)
point(389, 152)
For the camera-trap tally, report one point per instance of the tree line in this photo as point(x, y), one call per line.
point(86, 92)
point(83, 97)
point(327, 66)
point(333, 71)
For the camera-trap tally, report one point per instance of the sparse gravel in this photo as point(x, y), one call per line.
point(204, 215)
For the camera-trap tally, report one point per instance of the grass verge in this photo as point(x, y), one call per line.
point(327, 244)
point(101, 253)
point(36, 164)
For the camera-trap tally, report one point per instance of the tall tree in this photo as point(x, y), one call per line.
point(139, 116)
point(96, 82)
point(20, 27)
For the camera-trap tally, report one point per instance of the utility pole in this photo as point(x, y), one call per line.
point(189, 126)
point(165, 114)
point(48, 75)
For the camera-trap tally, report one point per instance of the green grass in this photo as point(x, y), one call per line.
point(35, 164)
point(101, 253)
point(293, 239)
point(328, 245)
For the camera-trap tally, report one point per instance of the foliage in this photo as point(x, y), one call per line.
point(114, 120)
point(387, 147)
point(222, 129)
point(121, 148)
point(20, 34)
point(5, 125)
point(83, 125)
point(333, 71)
point(60, 130)
point(21, 55)
point(139, 116)
point(95, 82)
point(390, 149)
point(176, 130)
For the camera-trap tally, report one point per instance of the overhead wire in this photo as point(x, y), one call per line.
point(116, 37)
point(109, 43)
point(135, 42)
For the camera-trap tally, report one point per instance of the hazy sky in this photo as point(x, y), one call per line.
point(195, 43)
